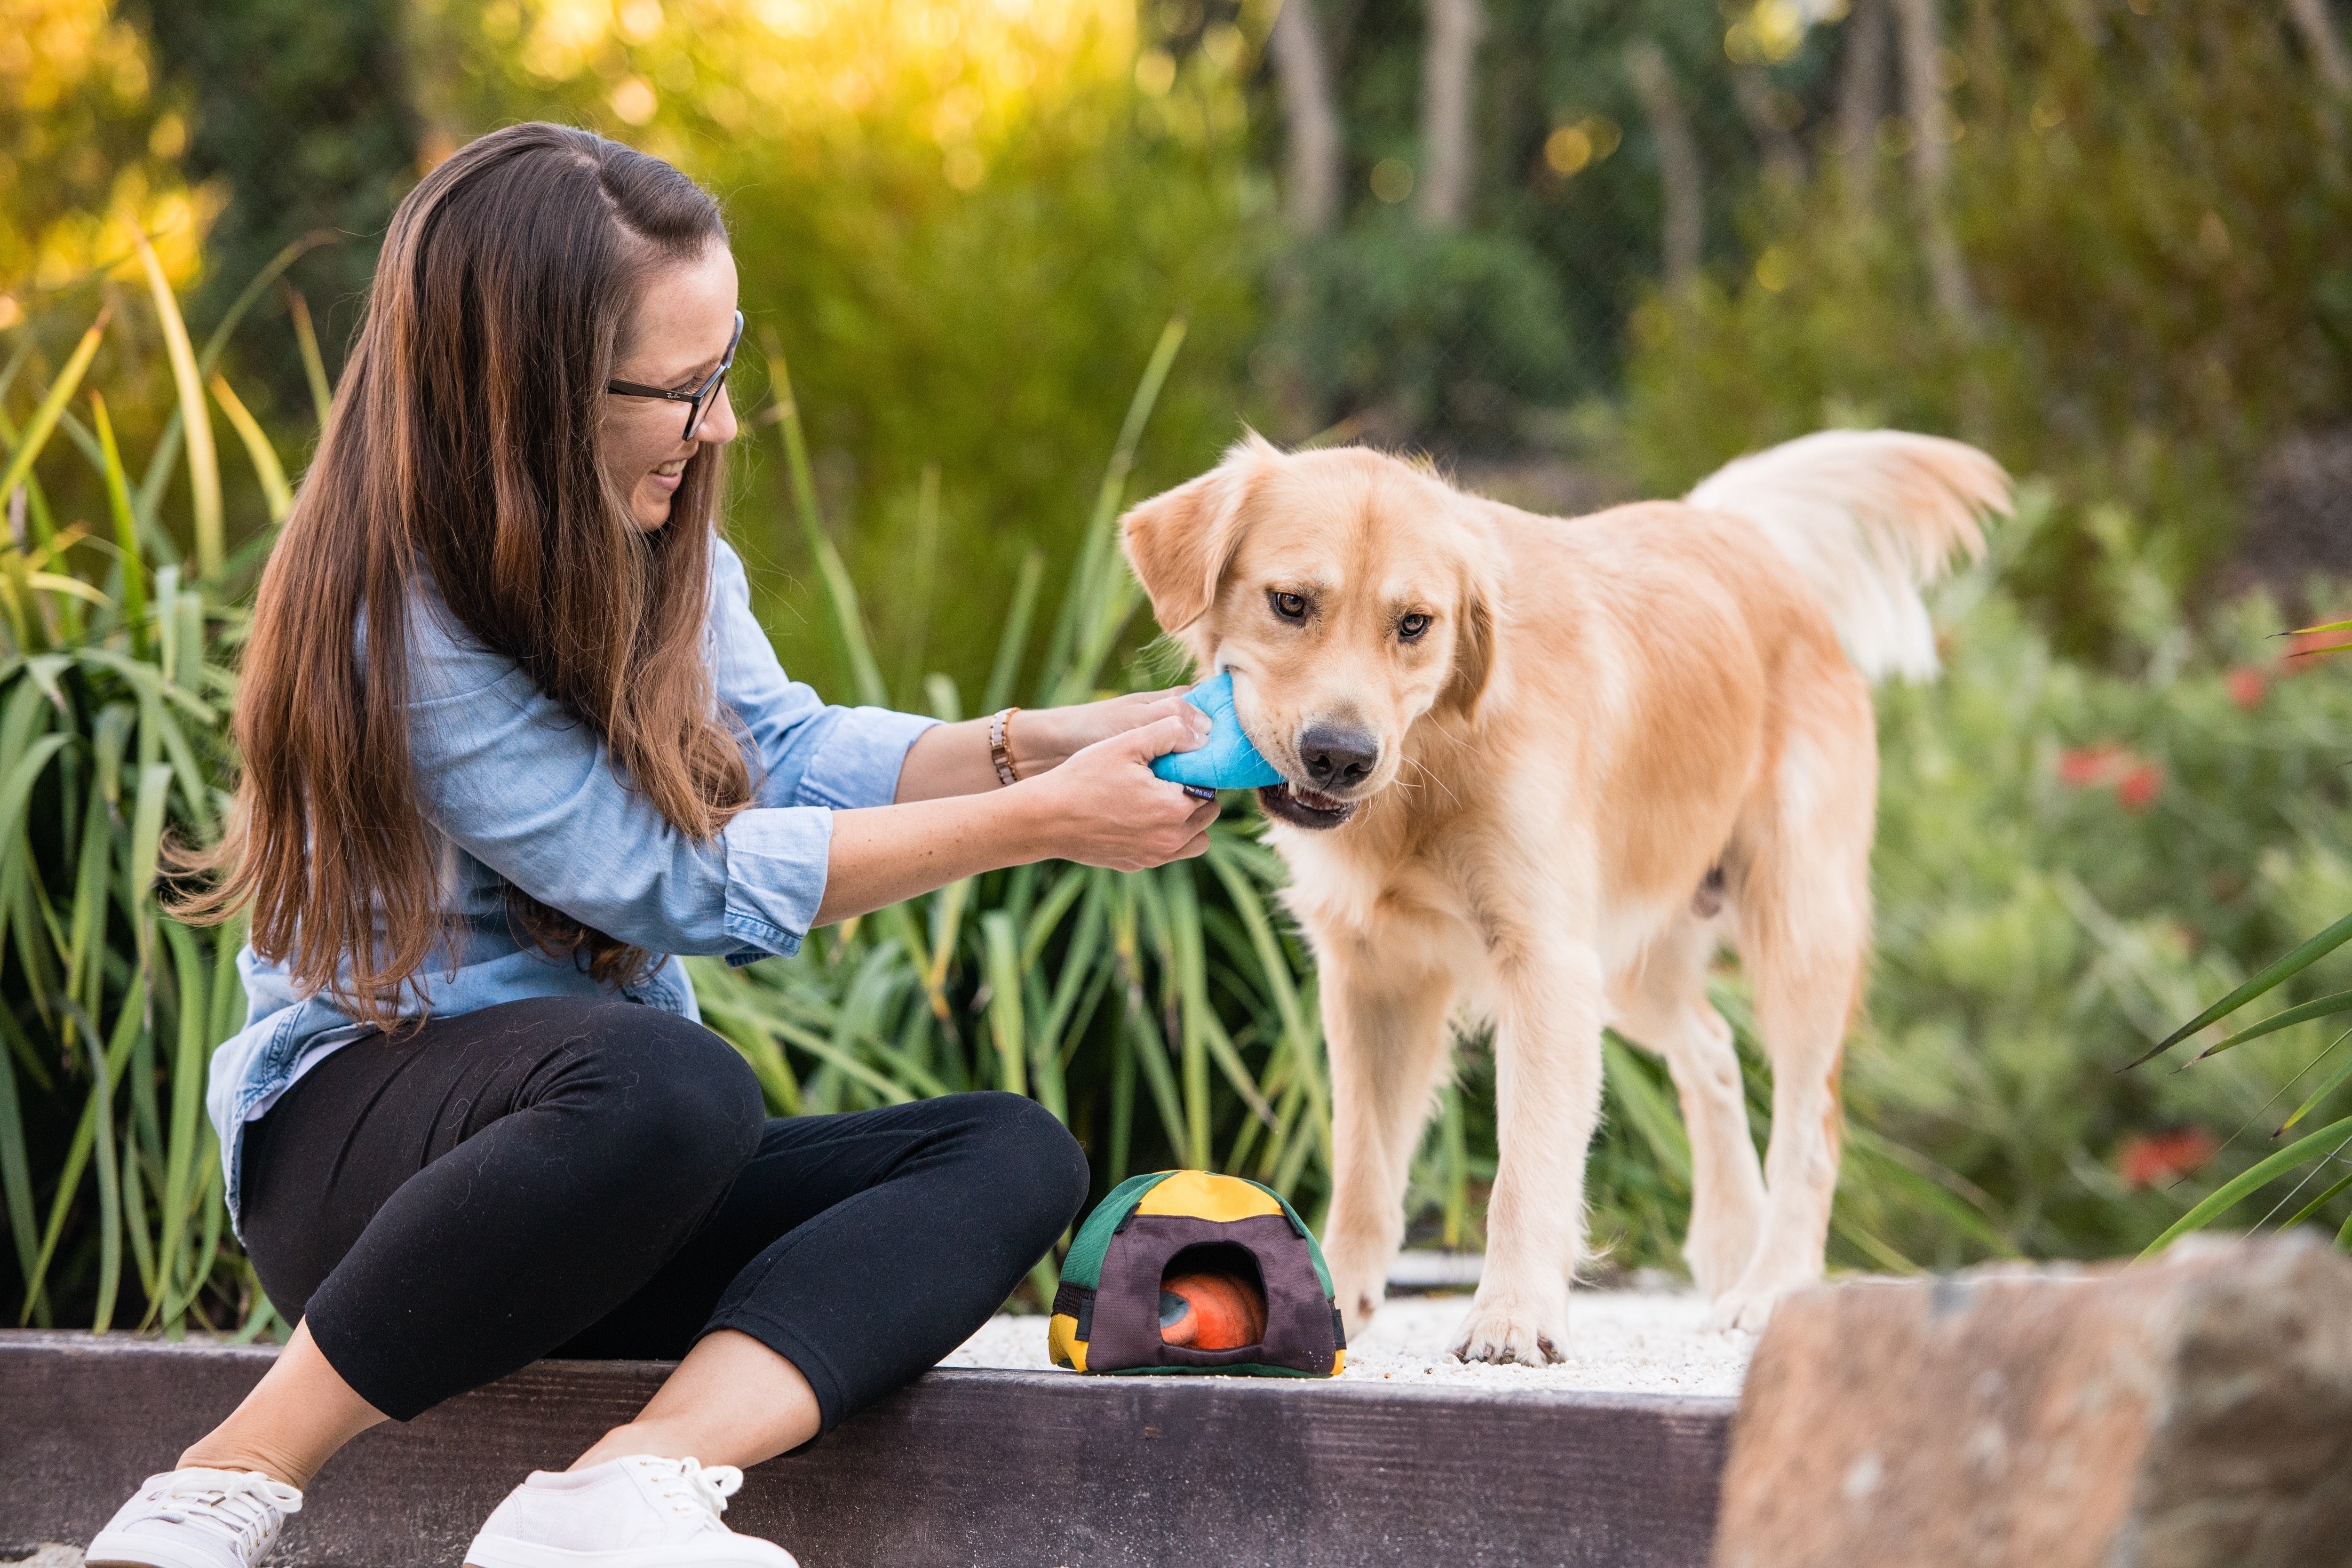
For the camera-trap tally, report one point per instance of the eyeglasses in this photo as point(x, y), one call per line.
point(701, 399)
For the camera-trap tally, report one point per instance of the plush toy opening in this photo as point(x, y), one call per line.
point(1212, 1298)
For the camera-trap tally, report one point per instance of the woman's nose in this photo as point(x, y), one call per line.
point(719, 425)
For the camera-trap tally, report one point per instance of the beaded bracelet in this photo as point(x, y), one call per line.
point(1000, 750)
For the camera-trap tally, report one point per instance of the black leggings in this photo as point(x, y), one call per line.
point(560, 1177)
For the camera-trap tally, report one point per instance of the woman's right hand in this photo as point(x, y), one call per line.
point(1104, 806)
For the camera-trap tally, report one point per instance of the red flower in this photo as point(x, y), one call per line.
point(2148, 1158)
point(2248, 684)
point(2087, 765)
point(2138, 788)
point(2304, 647)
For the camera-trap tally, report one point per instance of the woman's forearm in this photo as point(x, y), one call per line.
point(952, 759)
point(883, 854)
point(1099, 805)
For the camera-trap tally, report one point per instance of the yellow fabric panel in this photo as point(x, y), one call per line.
point(1203, 1195)
point(1338, 1362)
point(1063, 1346)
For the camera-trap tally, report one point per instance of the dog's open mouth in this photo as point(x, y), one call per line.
point(1303, 807)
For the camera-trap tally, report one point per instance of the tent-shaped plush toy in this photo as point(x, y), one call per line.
point(1176, 1262)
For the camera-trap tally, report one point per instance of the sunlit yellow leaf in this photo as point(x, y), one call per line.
point(266, 466)
point(203, 463)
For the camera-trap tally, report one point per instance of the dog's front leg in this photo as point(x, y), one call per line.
point(1547, 1100)
point(1384, 1022)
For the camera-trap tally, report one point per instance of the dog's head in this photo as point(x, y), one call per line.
point(1349, 593)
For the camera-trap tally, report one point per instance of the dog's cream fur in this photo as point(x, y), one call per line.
point(1615, 744)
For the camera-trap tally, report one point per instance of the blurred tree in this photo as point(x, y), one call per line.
point(2136, 280)
point(301, 108)
point(1314, 161)
point(965, 227)
point(87, 142)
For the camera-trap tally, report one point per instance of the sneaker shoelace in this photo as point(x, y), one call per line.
point(698, 1489)
point(244, 1509)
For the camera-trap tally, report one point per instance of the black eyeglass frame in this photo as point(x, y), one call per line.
point(701, 398)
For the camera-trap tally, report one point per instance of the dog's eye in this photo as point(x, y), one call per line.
point(1412, 625)
point(1289, 607)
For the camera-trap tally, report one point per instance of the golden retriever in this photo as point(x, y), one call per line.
point(1540, 771)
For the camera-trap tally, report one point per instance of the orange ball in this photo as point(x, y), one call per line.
point(1222, 1312)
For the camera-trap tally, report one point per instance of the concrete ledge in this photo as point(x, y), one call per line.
point(961, 1469)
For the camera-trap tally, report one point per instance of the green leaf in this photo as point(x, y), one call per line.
point(2293, 964)
point(2233, 1190)
point(1088, 601)
point(275, 492)
point(35, 433)
point(2325, 1006)
point(126, 529)
point(203, 463)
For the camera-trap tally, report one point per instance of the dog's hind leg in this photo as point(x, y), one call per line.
point(1803, 934)
point(1662, 1005)
point(1384, 1020)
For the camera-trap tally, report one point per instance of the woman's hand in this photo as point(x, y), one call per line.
point(1101, 807)
point(952, 759)
point(1104, 806)
point(1042, 738)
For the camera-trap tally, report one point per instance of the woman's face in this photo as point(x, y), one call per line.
point(684, 318)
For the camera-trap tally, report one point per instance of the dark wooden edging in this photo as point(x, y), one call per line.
point(961, 1469)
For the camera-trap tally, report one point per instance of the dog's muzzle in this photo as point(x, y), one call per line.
point(1303, 807)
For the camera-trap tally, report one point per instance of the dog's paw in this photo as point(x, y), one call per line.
point(1504, 1334)
point(1748, 1306)
point(1718, 1256)
point(1742, 1311)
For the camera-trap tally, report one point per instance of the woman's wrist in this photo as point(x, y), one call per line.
point(1020, 830)
point(1039, 740)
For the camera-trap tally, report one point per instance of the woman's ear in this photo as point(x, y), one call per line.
point(1180, 543)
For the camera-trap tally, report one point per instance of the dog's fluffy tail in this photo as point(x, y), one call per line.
point(1869, 518)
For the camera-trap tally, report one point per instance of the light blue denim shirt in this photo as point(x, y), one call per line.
point(521, 792)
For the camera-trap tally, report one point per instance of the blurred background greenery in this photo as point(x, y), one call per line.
point(1575, 251)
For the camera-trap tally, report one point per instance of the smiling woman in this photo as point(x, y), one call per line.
point(513, 744)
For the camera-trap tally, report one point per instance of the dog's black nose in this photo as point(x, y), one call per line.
point(1337, 759)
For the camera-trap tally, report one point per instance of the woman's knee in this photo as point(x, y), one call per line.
point(665, 1092)
point(1032, 1157)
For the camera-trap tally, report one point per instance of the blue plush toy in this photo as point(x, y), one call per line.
point(1227, 760)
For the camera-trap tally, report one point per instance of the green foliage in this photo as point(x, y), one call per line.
point(2067, 859)
point(1439, 337)
point(2148, 210)
point(963, 225)
point(113, 713)
point(300, 110)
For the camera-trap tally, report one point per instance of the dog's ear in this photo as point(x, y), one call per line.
point(1473, 644)
point(1180, 543)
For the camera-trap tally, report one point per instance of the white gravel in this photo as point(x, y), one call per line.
point(1628, 1342)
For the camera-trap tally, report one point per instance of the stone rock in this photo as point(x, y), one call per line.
point(49, 1554)
point(2195, 1412)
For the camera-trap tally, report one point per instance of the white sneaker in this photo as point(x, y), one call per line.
point(640, 1511)
point(195, 1519)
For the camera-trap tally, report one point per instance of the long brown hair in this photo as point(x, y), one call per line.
point(463, 449)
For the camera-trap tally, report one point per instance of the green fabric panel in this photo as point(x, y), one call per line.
point(1083, 1263)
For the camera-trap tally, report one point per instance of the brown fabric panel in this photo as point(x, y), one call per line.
point(1127, 1302)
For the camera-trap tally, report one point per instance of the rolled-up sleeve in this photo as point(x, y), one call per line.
point(809, 754)
point(532, 792)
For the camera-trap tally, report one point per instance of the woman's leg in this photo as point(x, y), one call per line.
point(298, 1415)
point(853, 1252)
point(443, 1209)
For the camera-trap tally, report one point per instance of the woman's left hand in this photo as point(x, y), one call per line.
point(1040, 739)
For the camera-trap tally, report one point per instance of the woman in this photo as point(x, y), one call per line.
point(512, 741)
